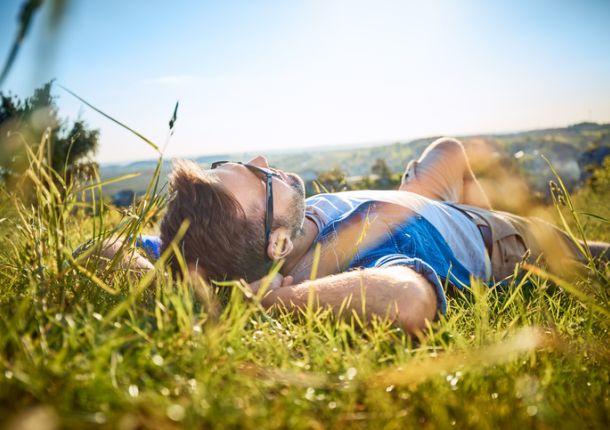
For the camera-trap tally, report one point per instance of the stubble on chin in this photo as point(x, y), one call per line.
point(296, 219)
point(298, 215)
point(298, 203)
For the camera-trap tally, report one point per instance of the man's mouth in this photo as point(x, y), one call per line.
point(291, 179)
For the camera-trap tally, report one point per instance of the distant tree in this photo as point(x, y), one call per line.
point(333, 180)
point(28, 123)
point(599, 181)
point(383, 172)
point(593, 156)
point(365, 183)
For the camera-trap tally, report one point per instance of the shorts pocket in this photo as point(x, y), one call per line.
point(507, 251)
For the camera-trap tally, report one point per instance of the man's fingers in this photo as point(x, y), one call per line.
point(254, 286)
point(272, 282)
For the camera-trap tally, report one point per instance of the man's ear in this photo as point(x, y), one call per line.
point(280, 244)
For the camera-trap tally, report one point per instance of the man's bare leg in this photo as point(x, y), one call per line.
point(443, 173)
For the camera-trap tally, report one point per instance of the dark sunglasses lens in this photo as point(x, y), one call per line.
point(216, 164)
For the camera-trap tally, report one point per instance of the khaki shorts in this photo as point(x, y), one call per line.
point(439, 174)
point(517, 239)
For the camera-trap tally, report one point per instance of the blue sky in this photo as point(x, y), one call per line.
point(274, 75)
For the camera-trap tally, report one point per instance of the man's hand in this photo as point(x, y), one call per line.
point(273, 282)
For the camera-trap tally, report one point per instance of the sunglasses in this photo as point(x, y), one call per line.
point(268, 175)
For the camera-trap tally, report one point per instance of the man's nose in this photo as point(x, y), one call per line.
point(259, 161)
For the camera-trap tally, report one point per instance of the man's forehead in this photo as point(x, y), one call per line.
point(242, 184)
point(232, 172)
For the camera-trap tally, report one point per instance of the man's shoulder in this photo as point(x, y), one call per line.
point(348, 196)
point(326, 208)
point(351, 199)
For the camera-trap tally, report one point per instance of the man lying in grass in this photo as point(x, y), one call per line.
point(384, 253)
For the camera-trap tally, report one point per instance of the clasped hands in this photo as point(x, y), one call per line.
point(273, 281)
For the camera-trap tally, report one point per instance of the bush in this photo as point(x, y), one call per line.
point(28, 126)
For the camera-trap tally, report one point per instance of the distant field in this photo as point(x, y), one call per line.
point(563, 146)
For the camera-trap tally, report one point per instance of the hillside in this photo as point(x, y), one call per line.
point(570, 150)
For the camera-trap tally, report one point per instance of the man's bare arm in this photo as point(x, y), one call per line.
point(397, 292)
point(108, 249)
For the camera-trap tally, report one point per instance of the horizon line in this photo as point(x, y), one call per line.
point(112, 163)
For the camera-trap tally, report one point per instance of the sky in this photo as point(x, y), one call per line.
point(258, 75)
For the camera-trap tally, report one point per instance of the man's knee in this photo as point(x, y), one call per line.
point(440, 171)
point(448, 146)
point(449, 155)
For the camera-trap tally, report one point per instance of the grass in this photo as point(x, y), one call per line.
point(83, 349)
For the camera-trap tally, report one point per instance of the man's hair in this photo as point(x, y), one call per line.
point(220, 241)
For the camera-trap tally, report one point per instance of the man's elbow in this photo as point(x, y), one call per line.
point(414, 323)
point(416, 303)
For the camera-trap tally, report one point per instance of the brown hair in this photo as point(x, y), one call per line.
point(220, 240)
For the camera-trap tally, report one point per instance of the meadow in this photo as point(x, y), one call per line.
point(95, 347)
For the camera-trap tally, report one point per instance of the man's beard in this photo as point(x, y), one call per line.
point(296, 218)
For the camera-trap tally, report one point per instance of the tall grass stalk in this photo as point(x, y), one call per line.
point(86, 346)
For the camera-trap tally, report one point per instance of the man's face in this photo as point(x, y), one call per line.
point(250, 190)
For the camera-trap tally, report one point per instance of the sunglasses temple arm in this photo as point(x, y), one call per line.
point(269, 214)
